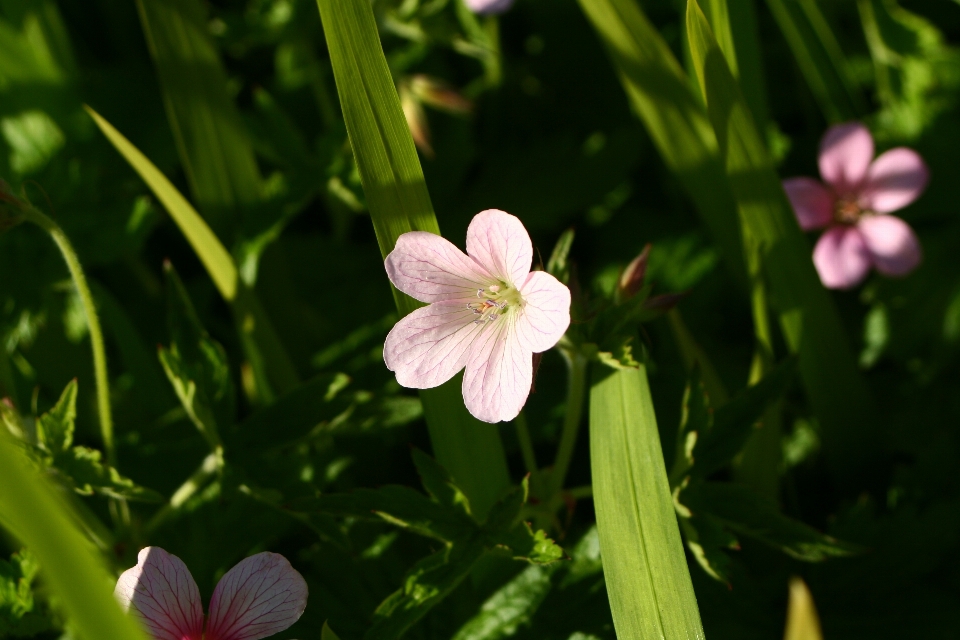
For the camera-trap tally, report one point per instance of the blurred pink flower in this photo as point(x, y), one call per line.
point(259, 597)
point(488, 313)
point(484, 7)
point(853, 204)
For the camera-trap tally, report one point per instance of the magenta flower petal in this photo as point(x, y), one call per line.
point(431, 269)
point(162, 593)
point(499, 242)
point(429, 346)
point(812, 202)
point(259, 597)
point(546, 312)
point(498, 374)
point(845, 154)
point(841, 257)
point(892, 244)
point(489, 6)
point(895, 179)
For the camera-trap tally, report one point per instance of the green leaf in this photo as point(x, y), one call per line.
point(196, 365)
point(748, 513)
point(429, 582)
point(327, 633)
point(734, 422)
point(651, 595)
point(803, 623)
point(559, 263)
point(808, 316)
point(707, 539)
point(71, 569)
point(18, 614)
point(214, 147)
point(89, 474)
point(439, 484)
point(55, 427)
point(525, 544)
point(399, 202)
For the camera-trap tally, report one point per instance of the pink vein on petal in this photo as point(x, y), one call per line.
point(163, 594)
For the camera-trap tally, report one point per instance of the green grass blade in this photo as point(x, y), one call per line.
point(33, 513)
point(659, 92)
point(644, 565)
point(261, 344)
point(820, 58)
point(399, 202)
point(214, 148)
point(808, 317)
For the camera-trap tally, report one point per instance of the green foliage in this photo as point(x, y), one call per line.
point(20, 614)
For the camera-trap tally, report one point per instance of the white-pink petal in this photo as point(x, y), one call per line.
point(545, 315)
point(499, 242)
point(894, 248)
point(161, 592)
point(259, 597)
point(841, 257)
point(812, 202)
point(489, 6)
point(895, 179)
point(498, 374)
point(845, 154)
point(430, 268)
point(429, 346)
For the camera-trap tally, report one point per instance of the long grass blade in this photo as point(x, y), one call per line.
point(32, 512)
point(808, 317)
point(399, 202)
point(644, 565)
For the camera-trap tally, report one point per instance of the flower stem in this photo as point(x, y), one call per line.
point(526, 444)
point(576, 392)
point(43, 221)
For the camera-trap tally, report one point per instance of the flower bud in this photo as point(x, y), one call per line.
point(439, 95)
point(631, 281)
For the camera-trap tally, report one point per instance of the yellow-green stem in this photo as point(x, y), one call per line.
point(576, 393)
point(37, 217)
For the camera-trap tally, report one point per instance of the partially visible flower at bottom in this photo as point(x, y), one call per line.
point(260, 596)
point(854, 204)
point(485, 7)
point(488, 314)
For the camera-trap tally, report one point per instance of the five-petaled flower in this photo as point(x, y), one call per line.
point(262, 595)
point(854, 203)
point(488, 313)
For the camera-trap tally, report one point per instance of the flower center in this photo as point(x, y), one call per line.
point(848, 211)
point(494, 301)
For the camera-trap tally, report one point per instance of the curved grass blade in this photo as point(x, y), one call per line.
point(32, 512)
point(645, 568)
point(399, 202)
point(808, 316)
point(260, 342)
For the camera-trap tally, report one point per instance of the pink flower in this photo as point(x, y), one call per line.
point(488, 313)
point(484, 7)
point(853, 204)
point(259, 597)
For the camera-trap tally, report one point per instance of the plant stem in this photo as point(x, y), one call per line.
point(208, 469)
point(526, 444)
point(576, 392)
point(37, 217)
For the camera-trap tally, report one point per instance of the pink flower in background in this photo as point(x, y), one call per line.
point(259, 597)
point(853, 206)
point(488, 313)
point(484, 7)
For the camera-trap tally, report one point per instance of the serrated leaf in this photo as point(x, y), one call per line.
point(525, 544)
point(734, 422)
point(431, 580)
point(748, 513)
point(439, 484)
point(18, 615)
point(707, 540)
point(89, 474)
point(55, 427)
point(696, 419)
